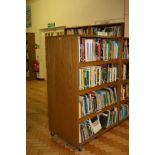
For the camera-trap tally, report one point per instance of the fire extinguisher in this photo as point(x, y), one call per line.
point(36, 65)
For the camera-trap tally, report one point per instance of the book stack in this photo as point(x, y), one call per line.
point(125, 71)
point(109, 73)
point(70, 32)
point(108, 118)
point(107, 31)
point(124, 111)
point(78, 31)
point(82, 31)
point(124, 91)
point(89, 77)
point(86, 131)
point(96, 100)
point(92, 126)
point(98, 49)
point(92, 76)
point(110, 49)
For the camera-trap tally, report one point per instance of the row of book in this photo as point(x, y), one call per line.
point(124, 111)
point(96, 100)
point(100, 31)
point(98, 49)
point(79, 31)
point(125, 71)
point(108, 31)
point(126, 49)
point(54, 33)
point(124, 91)
point(92, 76)
point(103, 120)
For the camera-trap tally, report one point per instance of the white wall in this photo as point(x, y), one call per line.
point(71, 13)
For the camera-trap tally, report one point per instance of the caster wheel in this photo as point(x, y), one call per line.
point(79, 149)
point(52, 133)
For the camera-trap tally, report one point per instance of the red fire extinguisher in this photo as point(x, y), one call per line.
point(36, 65)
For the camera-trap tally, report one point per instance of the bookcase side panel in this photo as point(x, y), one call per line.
point(63, 87)
point(51, 81)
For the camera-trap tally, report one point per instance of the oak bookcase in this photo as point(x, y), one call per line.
point(62, 58)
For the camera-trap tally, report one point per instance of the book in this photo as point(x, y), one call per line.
point(98, 49)
point(86, 130)
point(97, 100)
point(95, 124)
point(103, 117)
point(124, 111)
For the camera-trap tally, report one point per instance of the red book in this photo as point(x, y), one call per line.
point(82, 50)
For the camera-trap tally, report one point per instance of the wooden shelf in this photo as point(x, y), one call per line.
point(53, 28)
point(89, 29)
point(126, 100)
point(96, 25)
point(124, 81)
point(103, 131)
point(97, 87)
point(100, 62)
point(98, 134)
point(91, 115)
point(125, 60)
point(97, 36)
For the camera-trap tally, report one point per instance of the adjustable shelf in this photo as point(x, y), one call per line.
point(100, 62)
point(91, 115)
point(97, 87)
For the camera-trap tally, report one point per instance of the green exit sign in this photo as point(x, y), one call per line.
point(51, 25)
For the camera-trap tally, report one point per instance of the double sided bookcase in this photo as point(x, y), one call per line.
point(87, 80)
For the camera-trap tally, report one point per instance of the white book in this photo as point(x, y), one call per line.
point(93, 50)
point(80, 85)
point(96, 126)
point(110, 74)
point(88, 50)
point(88, 104)
point(89, 54)
point(112, 77)
point(116, 115)
point(100, 75)
point(115, 73)
point(80, 110)
point(124, 71)
point(80, 135)
point(86, 55)
point(81, 102)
